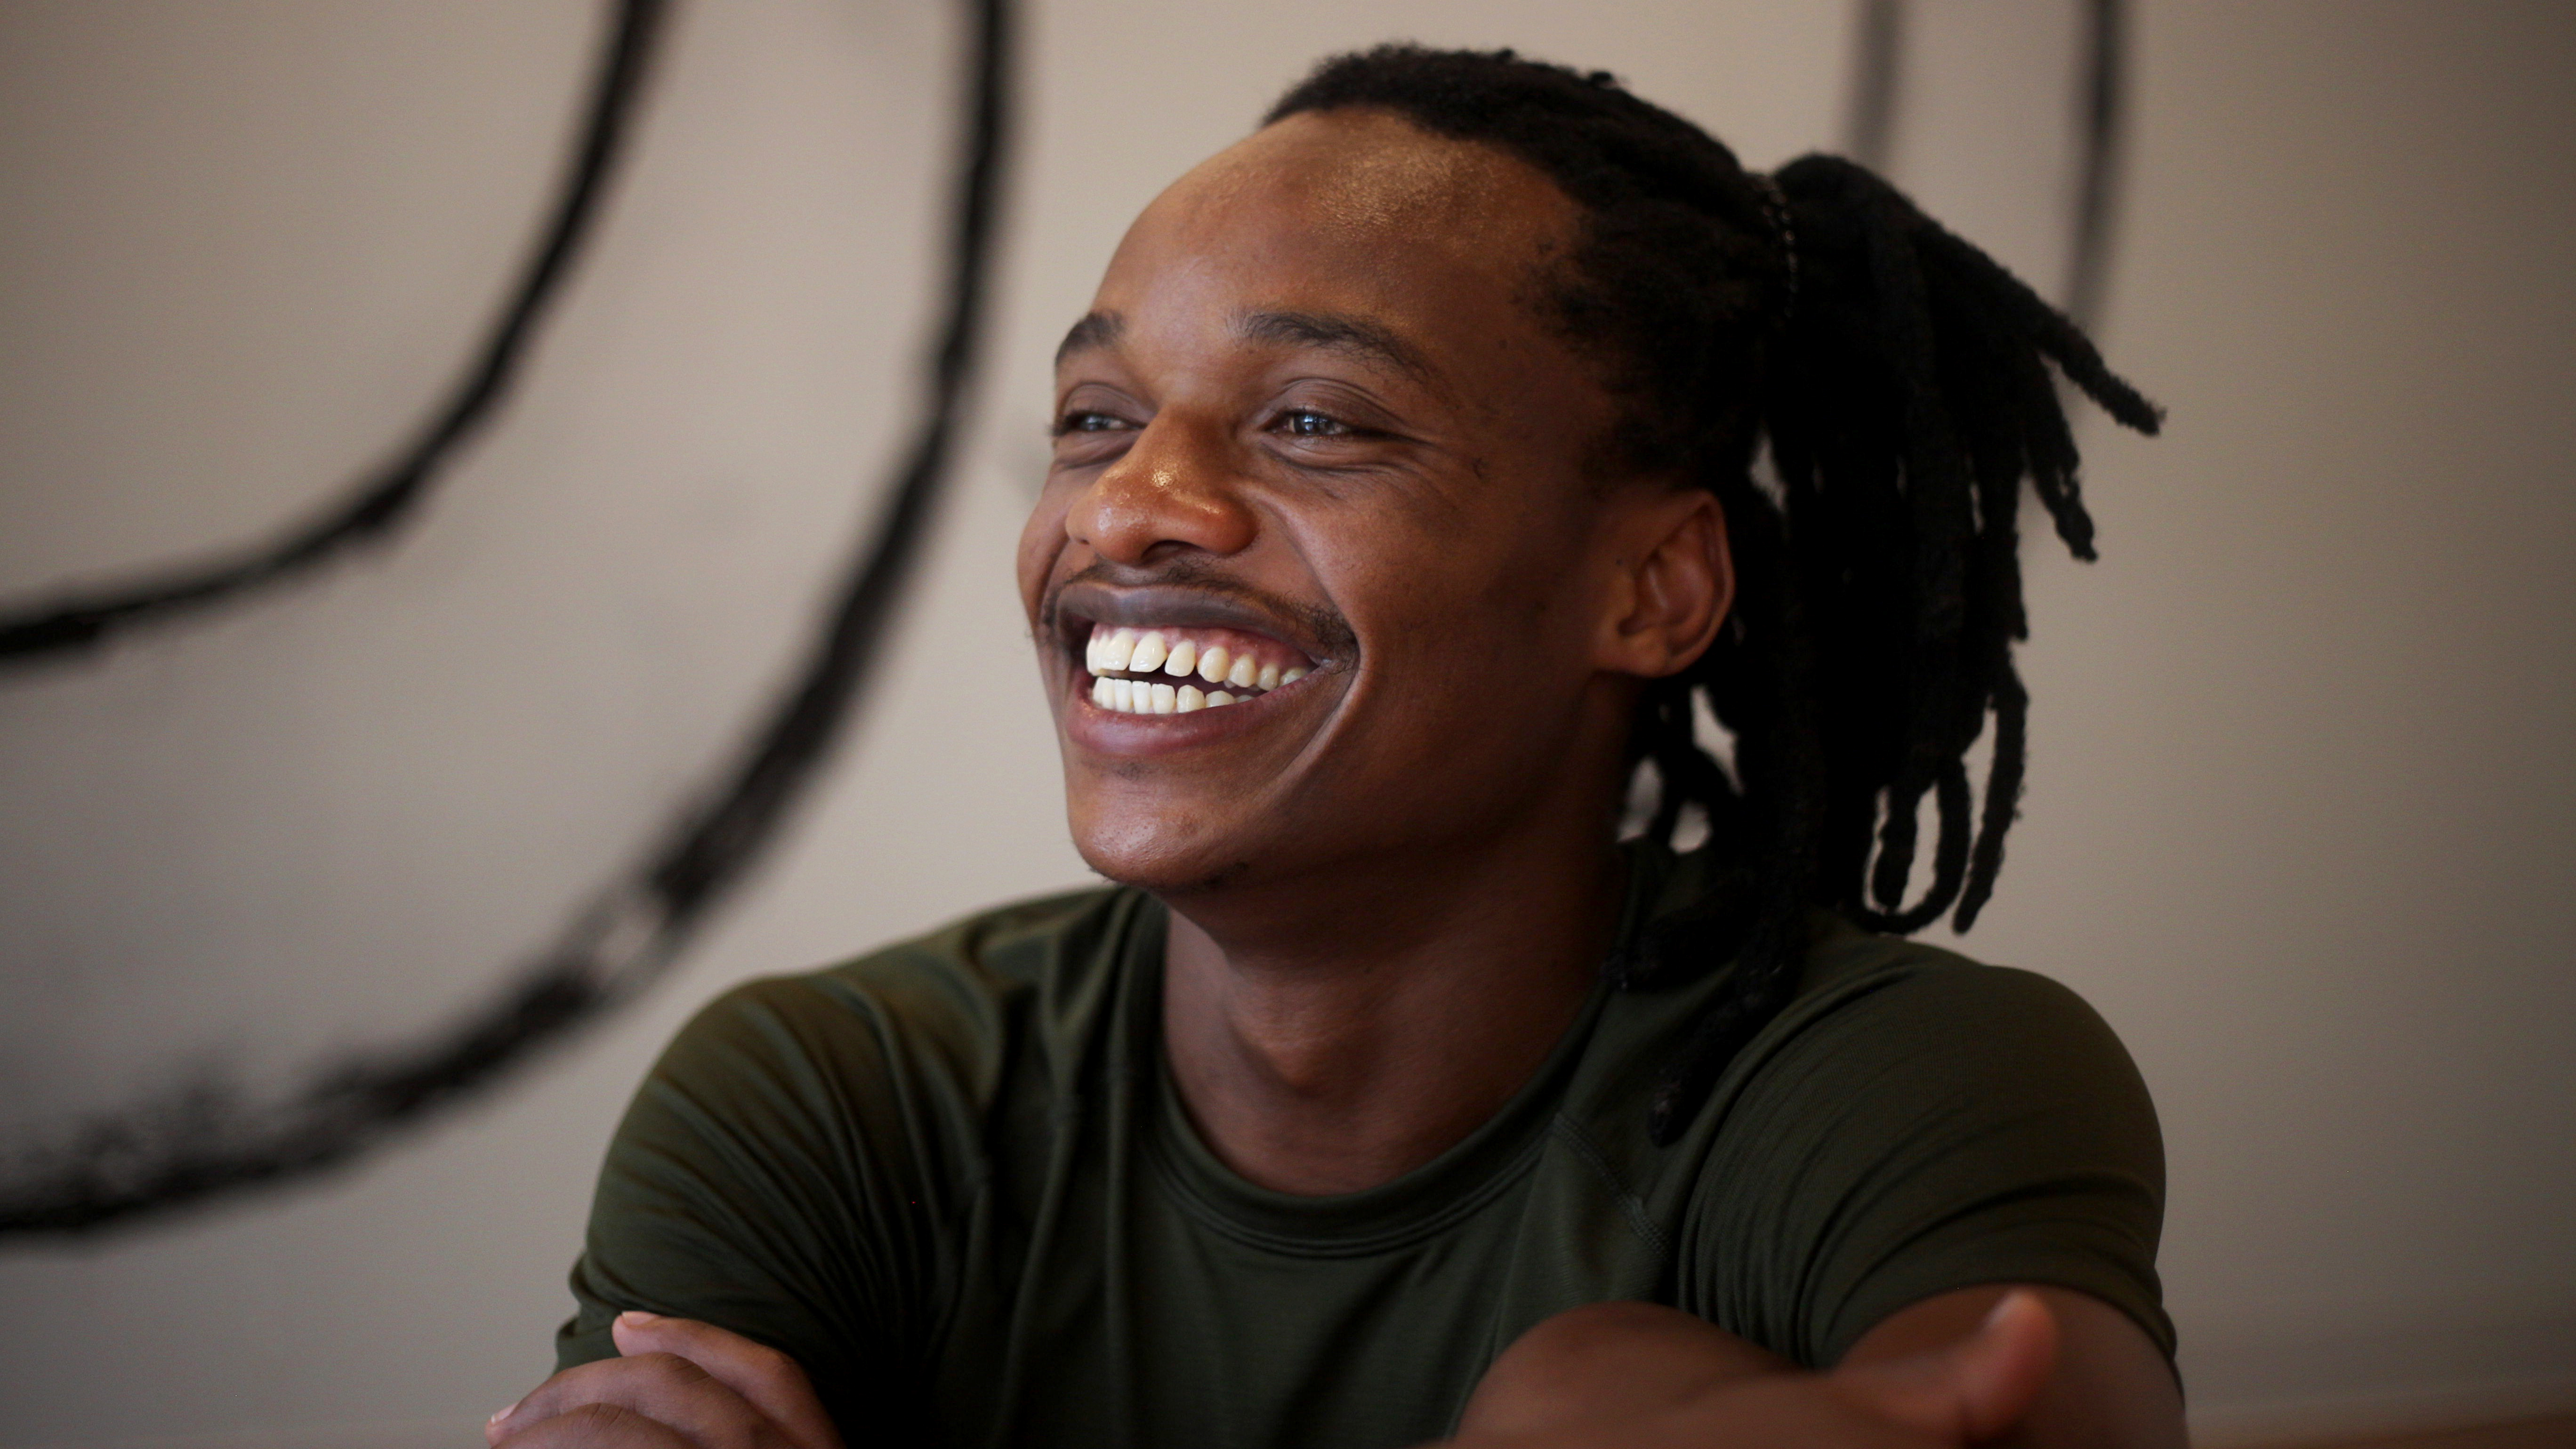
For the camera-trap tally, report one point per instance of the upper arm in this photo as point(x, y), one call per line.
point(1918, 1131)
point(776, 1176)
point(2111, 1386)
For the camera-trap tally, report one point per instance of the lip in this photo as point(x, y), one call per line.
point(1173, 606)
point(1109, 732)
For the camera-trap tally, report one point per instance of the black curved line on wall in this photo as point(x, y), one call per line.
point(84, 618)
point(2101, 108)
point(191, 1147)
point(1878, 53)
point(1871, 123)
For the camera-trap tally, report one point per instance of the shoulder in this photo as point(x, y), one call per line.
point(1868, 1008)
point(920, 1026)
point(828, 1129)
point(1916, 1122)
point(1898, 1055)
point(1885, 1008)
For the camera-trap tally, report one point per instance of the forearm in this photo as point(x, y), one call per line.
point(2110, 1388)
point(1608, 1361)
point(2053, 1370)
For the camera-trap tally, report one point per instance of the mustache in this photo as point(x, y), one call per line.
point(1317, 623)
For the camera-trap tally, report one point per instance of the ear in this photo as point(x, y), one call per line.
point(1672, 580)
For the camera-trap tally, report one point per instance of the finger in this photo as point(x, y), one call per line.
point(1971, 1390)
point(599, 1426)
point(2003, 1368)
point(770, 1381)
point(664, 1388)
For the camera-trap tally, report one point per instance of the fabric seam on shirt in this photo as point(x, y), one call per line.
point(1631, 1206)
point(1466, 1205)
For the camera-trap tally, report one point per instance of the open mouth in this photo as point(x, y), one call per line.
point(1175, 670)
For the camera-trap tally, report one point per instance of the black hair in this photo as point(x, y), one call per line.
point(1902, 382)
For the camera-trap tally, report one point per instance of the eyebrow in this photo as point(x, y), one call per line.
point(1096, 329)
point(1334, 331)
point(1338, 332)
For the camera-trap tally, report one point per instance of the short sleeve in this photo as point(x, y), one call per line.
point(784, 1173)
point(1924, 1127)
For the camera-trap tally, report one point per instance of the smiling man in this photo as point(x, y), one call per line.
point(1401, 532)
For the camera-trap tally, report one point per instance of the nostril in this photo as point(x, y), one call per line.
point(1163, 498)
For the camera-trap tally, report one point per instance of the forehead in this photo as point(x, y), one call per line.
point(1350, 214)
point(1366, 176)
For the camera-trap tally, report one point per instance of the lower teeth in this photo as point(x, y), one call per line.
point(1146, 696)
point(1136, 696)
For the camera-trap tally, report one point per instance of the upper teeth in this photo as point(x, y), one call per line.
point(1131, 651)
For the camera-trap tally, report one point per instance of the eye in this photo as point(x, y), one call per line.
point(1307, 423)
point(1089, 422)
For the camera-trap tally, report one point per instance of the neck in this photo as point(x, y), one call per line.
point(1328, 1035)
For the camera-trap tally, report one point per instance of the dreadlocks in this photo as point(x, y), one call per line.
point(1902, 382)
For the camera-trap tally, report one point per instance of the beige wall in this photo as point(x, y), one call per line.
point(2300, 811)
point(2302, 804)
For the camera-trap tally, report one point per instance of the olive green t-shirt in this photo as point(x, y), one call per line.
point(952, 1179)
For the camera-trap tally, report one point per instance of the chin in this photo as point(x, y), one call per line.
point(1163, 852)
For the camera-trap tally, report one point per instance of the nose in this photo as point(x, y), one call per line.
point(1174, 490)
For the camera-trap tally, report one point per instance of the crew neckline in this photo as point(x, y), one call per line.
point(1413, 1206)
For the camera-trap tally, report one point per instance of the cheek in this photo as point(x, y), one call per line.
point(1510, 597)
point(1553, 585)
point(1470, 631)
point(1042, 542)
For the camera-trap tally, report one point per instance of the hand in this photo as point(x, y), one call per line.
point(1723, 1393)
point(1973, 1390)
point(677, 1384)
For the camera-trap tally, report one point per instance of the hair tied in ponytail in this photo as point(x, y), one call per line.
point(1775, 205)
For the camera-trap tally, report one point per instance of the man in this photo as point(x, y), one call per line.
point(1401, 507)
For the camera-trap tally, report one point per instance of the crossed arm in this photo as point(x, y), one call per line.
point(2035, 1368)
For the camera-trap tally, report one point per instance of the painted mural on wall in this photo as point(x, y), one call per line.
point(189, 1140)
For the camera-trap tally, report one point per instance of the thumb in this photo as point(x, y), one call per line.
point(773, 1384)
point(1974, 1389)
